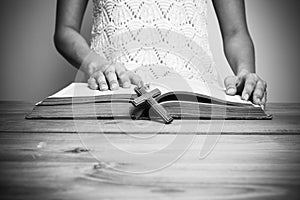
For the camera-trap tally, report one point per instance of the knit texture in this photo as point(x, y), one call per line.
point(142, 34)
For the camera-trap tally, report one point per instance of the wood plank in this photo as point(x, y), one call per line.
point(286, 121)
point(239, 167)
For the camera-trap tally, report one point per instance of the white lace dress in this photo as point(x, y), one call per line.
point(147, 33)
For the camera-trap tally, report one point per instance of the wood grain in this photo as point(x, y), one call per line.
point(240, 167)
point(45, 159)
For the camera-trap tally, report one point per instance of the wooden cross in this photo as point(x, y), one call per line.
point(148, 97)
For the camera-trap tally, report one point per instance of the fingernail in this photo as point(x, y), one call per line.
point(103, 87)
point(245, 96)
point(93, 86)
point(231, 91)
point(140, 84)
point(258, 101)
point(126, 85)
point(114, 86)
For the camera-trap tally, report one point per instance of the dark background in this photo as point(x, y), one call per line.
point(31, 69)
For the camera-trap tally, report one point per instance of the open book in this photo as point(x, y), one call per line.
point(182, 99)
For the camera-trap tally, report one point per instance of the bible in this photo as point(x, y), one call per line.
point(182, 99)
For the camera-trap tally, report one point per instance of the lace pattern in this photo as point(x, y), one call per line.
point(146, 33)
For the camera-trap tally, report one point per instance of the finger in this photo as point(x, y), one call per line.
point(249, 86)
point(264, 100)
point(111, 78)
point(259, 91)
point(101, 81)
point(135, 79)
point(92, 83)
point(230, 84)
point(122, 76)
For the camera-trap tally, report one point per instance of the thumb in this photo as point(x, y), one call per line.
point(231, 85)
point(135, 79)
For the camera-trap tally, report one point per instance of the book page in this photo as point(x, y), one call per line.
point(167, 80)
point(171, 84)
point(162, 78)
point(82, 90)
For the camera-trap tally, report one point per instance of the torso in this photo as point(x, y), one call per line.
point(171, 33)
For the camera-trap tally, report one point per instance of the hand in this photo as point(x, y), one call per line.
point(105, 75)
point(249, 85)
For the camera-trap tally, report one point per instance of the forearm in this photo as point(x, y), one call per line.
point(239, 51)
point(74, 48)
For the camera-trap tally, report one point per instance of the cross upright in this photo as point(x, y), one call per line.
point(148, 97)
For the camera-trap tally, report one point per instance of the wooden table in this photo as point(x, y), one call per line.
point(47, 159)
